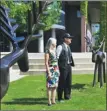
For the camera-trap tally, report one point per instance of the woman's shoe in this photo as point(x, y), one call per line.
point(61, 101)
point(49, 104)
point(53, 103)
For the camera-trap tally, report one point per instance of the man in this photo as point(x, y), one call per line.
point(65, 61)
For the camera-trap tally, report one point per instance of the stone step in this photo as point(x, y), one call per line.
point(35, 60)
point(39, 57)
point(76, 60)
point(83, 71)
point(32, 66)
point(84, 65)
point(74, 71)
point(42, 66)
point(82, 60)
point(34, 72)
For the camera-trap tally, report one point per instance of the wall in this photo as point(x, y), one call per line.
point(73, 26)
point(94, 15)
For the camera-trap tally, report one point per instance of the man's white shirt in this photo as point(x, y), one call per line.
point(59, 50)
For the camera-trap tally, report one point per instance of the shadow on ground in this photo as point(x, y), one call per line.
point(27, 101)
point(78, 86)
point(34, 101)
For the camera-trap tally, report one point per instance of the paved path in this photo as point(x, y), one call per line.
point(15, 75)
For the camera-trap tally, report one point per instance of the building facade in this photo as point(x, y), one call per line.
point(74, 23)
point(71, 21)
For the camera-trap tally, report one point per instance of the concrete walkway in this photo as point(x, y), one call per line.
point(14, 75)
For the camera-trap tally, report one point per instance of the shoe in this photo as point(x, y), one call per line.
point(61, 101)
point(53, 103)
point(49, 104)
point(67, 98)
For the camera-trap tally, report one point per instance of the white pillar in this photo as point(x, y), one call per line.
point(53, 33)
point(41, 42)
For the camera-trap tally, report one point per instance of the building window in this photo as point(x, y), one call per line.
point(95, 28)
point(78, 14)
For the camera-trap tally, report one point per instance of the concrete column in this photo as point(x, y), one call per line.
point(53, 33)
point(41, 42)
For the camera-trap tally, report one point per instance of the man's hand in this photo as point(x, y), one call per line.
point(72, 64)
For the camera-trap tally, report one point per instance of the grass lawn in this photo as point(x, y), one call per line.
point(29, 93)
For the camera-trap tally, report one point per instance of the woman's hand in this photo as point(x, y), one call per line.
point(49, 76)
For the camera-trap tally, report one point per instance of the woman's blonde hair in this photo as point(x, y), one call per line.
point(50, 42)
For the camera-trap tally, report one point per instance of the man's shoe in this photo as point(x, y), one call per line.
point(67, 98)
point(61, 101)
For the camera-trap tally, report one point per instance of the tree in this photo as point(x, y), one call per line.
point(18, 11)
point(103, 22)
point(54, 14)
point(84, 9)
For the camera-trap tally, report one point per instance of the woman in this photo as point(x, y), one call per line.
point(52, 71)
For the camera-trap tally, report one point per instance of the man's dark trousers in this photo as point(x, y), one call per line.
point(65, 82)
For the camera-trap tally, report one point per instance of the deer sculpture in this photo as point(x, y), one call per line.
point(19, 53)
point(98, 57)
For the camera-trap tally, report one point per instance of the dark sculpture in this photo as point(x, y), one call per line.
point(98, 57)
point(19, 53)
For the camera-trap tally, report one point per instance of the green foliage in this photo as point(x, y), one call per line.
point(54, 14)
point(84, 9)
point(3, 2)
point(97, 40)
point(18, 11)
point(103, 27)
point(103, 22)
point(106, 29)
